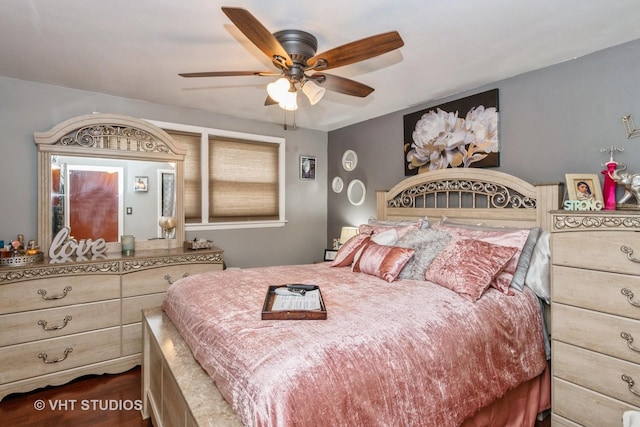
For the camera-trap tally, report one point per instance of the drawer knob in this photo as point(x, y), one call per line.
point(45, 359)
point(170, 280)
point(627, 379)
point(66, 320)
point(627, 293)
point(629, 338)
point(64, 293)
point(629, 252)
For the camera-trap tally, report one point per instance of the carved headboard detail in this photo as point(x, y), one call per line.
point(471, 195)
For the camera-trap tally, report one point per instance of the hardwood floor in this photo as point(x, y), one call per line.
point(96, 401)
point(83, 398)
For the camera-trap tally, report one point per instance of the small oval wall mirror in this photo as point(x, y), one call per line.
point(337, 184)
point(356, 192)
point(349, 160)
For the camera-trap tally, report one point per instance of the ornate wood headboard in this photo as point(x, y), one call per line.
point(471, 195)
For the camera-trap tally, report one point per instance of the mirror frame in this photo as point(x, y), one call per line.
point(349, 160)
point(107, 136)
point(356, 183)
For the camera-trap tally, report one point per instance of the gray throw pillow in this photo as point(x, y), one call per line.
point(427, 243)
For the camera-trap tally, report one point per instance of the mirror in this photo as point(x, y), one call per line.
point(356, 192)
point(106, 175)
point(349, 160)
point(107, 198)
point(337, 184)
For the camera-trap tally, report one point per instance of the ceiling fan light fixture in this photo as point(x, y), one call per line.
point(313, 91)
point(279, 89)
point(290, 101)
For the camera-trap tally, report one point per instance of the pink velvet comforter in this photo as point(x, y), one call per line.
point(407, 353)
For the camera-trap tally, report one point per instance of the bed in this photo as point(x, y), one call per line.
point(404, 343)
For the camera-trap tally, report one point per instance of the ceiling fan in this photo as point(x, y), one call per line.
point(293, 52)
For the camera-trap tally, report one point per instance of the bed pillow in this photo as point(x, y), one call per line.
point(382, 261)
point(386, 237)
point(348, 251)
point(510, 237)
point(422, 222)
point(401, 229)
point(427, 243)
point(525, 259)
point(538, 276)
point(468, 266)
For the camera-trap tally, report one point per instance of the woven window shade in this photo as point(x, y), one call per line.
point(243, 180)
point(192, 175)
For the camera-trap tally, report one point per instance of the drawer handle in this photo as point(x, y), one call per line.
point(168, 278)
point(627, 337)
point(627, 293)
point(627, 250)
point(44, 356)
point(66, 320)
point(627, 379)
point(65, 291)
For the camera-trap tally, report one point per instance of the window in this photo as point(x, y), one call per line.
point(231, 179)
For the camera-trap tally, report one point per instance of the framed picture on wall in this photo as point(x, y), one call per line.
point(584, 187)
point(307, 168)
point(330, 254)
point(141, 183)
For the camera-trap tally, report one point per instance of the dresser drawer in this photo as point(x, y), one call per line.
point(131, 339)
point(28, 360)
point(54, 322)
point(596, 290)
point(159, 279)
point(586, 407)
point(596, 372)
point(597, 331)
point(57, 291)
point(557, 421)
point(132, 306)
point(597, 250)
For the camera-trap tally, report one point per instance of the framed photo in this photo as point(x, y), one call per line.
point(330, 254)
point(584, 187)
point(141, 183)
point(308, 168)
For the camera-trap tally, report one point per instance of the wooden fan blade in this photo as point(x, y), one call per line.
point(343, 85)
point(359, 50)
point(256, 33)
point(229, 74)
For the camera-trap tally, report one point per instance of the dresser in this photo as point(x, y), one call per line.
point(59, 321)
point(595, 317)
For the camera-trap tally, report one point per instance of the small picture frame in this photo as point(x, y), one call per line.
point(141, 183)
point(330, 254)
point(584, 187)
point(308, 168)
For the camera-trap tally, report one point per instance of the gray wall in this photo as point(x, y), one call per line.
point(27, 107)
point(552, 121)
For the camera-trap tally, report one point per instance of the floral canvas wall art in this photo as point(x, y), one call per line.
point(460, 133)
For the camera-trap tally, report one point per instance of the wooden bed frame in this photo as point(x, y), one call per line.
point(176, 391)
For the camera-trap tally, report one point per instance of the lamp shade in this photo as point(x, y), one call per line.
point(346, 233)
point(313, 91)
point(279, 89)
point(289, 101)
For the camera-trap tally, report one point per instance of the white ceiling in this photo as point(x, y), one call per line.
point(136, 48)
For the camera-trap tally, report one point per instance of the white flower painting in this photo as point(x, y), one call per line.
point(441, 138)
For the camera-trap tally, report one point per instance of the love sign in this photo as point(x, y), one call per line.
point(62, 247)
